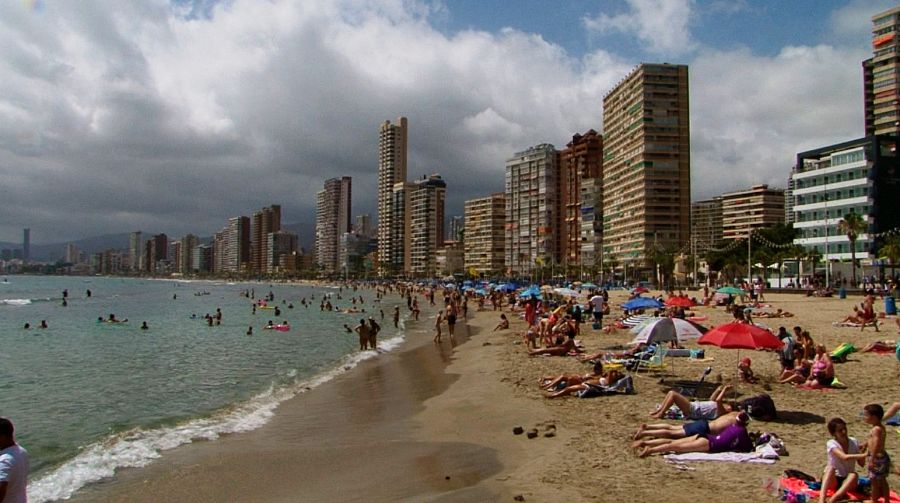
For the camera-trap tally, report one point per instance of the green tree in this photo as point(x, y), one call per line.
point(853, 225)
point(891, 250)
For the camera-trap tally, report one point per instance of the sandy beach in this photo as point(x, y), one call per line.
point(434, 423)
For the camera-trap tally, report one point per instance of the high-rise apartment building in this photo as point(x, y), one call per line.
point(455, 228)
point(859, 176)
point(426, 225)
point(363, 226)
point(265, 221)
point(236, 247)
point(582, 159)
point(392, 147)
point(188, 247)
point(332, 221)
point(485, 234)
point(202, 259)
point(706, 224)
point(26, 245)
point(282, 249)
point(135, 251)
point(758, 207)
point(156, 252)
point(399, 260)
point(591, 245)
point(73, 255)
point(532, 209)
point(881, 76)
point(646, 164)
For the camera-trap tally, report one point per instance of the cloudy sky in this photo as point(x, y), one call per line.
point(171, 117)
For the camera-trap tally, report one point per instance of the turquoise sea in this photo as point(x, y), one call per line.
point(88, 398)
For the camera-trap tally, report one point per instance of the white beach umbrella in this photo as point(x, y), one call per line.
point(566, 292)
point(665, 329)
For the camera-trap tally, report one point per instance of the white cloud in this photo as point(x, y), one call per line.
point(752, 114)
point(119, 115)
point(663, 26)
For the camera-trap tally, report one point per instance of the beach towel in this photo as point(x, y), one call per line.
point(791, 487)
point(841, 352)
point(846, 324)
point(731, 457)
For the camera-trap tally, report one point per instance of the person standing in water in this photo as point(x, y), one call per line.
point(364, 334)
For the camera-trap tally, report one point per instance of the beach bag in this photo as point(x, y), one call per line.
point(596, 326)
point(760, 407)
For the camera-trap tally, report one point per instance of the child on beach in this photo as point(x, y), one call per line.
point(745, 372)
point(437, 326)
point(840, 472)
point(879, 463)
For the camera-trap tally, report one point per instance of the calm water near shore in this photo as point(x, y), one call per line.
point(90, 397)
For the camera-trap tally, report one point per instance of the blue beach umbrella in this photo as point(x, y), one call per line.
point(642, 303)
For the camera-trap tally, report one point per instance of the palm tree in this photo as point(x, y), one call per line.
point(853, 225)
point(891, 251)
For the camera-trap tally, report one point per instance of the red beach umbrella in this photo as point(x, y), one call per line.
point(740, 336)
point(736, 335)
point(679, 302)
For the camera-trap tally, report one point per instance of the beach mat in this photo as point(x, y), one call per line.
point(791, 487)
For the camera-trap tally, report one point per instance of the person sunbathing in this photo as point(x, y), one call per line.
point(606, 381)
point(564, 380)
point(702, 427)
point(604, 354)
point(822, 373)
point(733, 438)
point(558, 350)
point(855, 318)
point(708, 409)
point(879, 347)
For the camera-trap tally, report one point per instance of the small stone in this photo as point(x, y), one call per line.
point(518, 430)
point(447, 477)
point(532, 433)
point(486, 344)
point(549, 434)
point(519, 497)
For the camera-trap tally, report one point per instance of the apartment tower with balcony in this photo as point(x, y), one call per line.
point(646, 164)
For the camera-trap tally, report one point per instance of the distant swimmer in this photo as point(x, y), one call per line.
point(88, 293)
point(43, 323)
point(269, 326)
point(250, 330)
point(66, 293)
point(144, 326)
point(28, 326)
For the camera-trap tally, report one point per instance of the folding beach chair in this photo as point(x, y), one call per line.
point(655, 362)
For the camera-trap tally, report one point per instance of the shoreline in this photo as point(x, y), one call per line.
point(356, 435)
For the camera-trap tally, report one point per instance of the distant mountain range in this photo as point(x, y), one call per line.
point(96, 244)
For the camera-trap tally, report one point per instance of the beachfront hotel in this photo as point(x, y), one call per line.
point(265, 221)
point(281, 247)
point(392, 146)
point(399, 260)
point(532, 209)
point(581, 160)
point(231, 247)
point(332, 221)
point(860, 176)
point(881, 75)
point(485, 220)
point(426, 225)
point(758, 207)
point(646, 164)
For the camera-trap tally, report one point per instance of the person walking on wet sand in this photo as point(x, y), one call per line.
point(437, 326)
point(364, 333)
point(451, 320)
point(396, 316)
